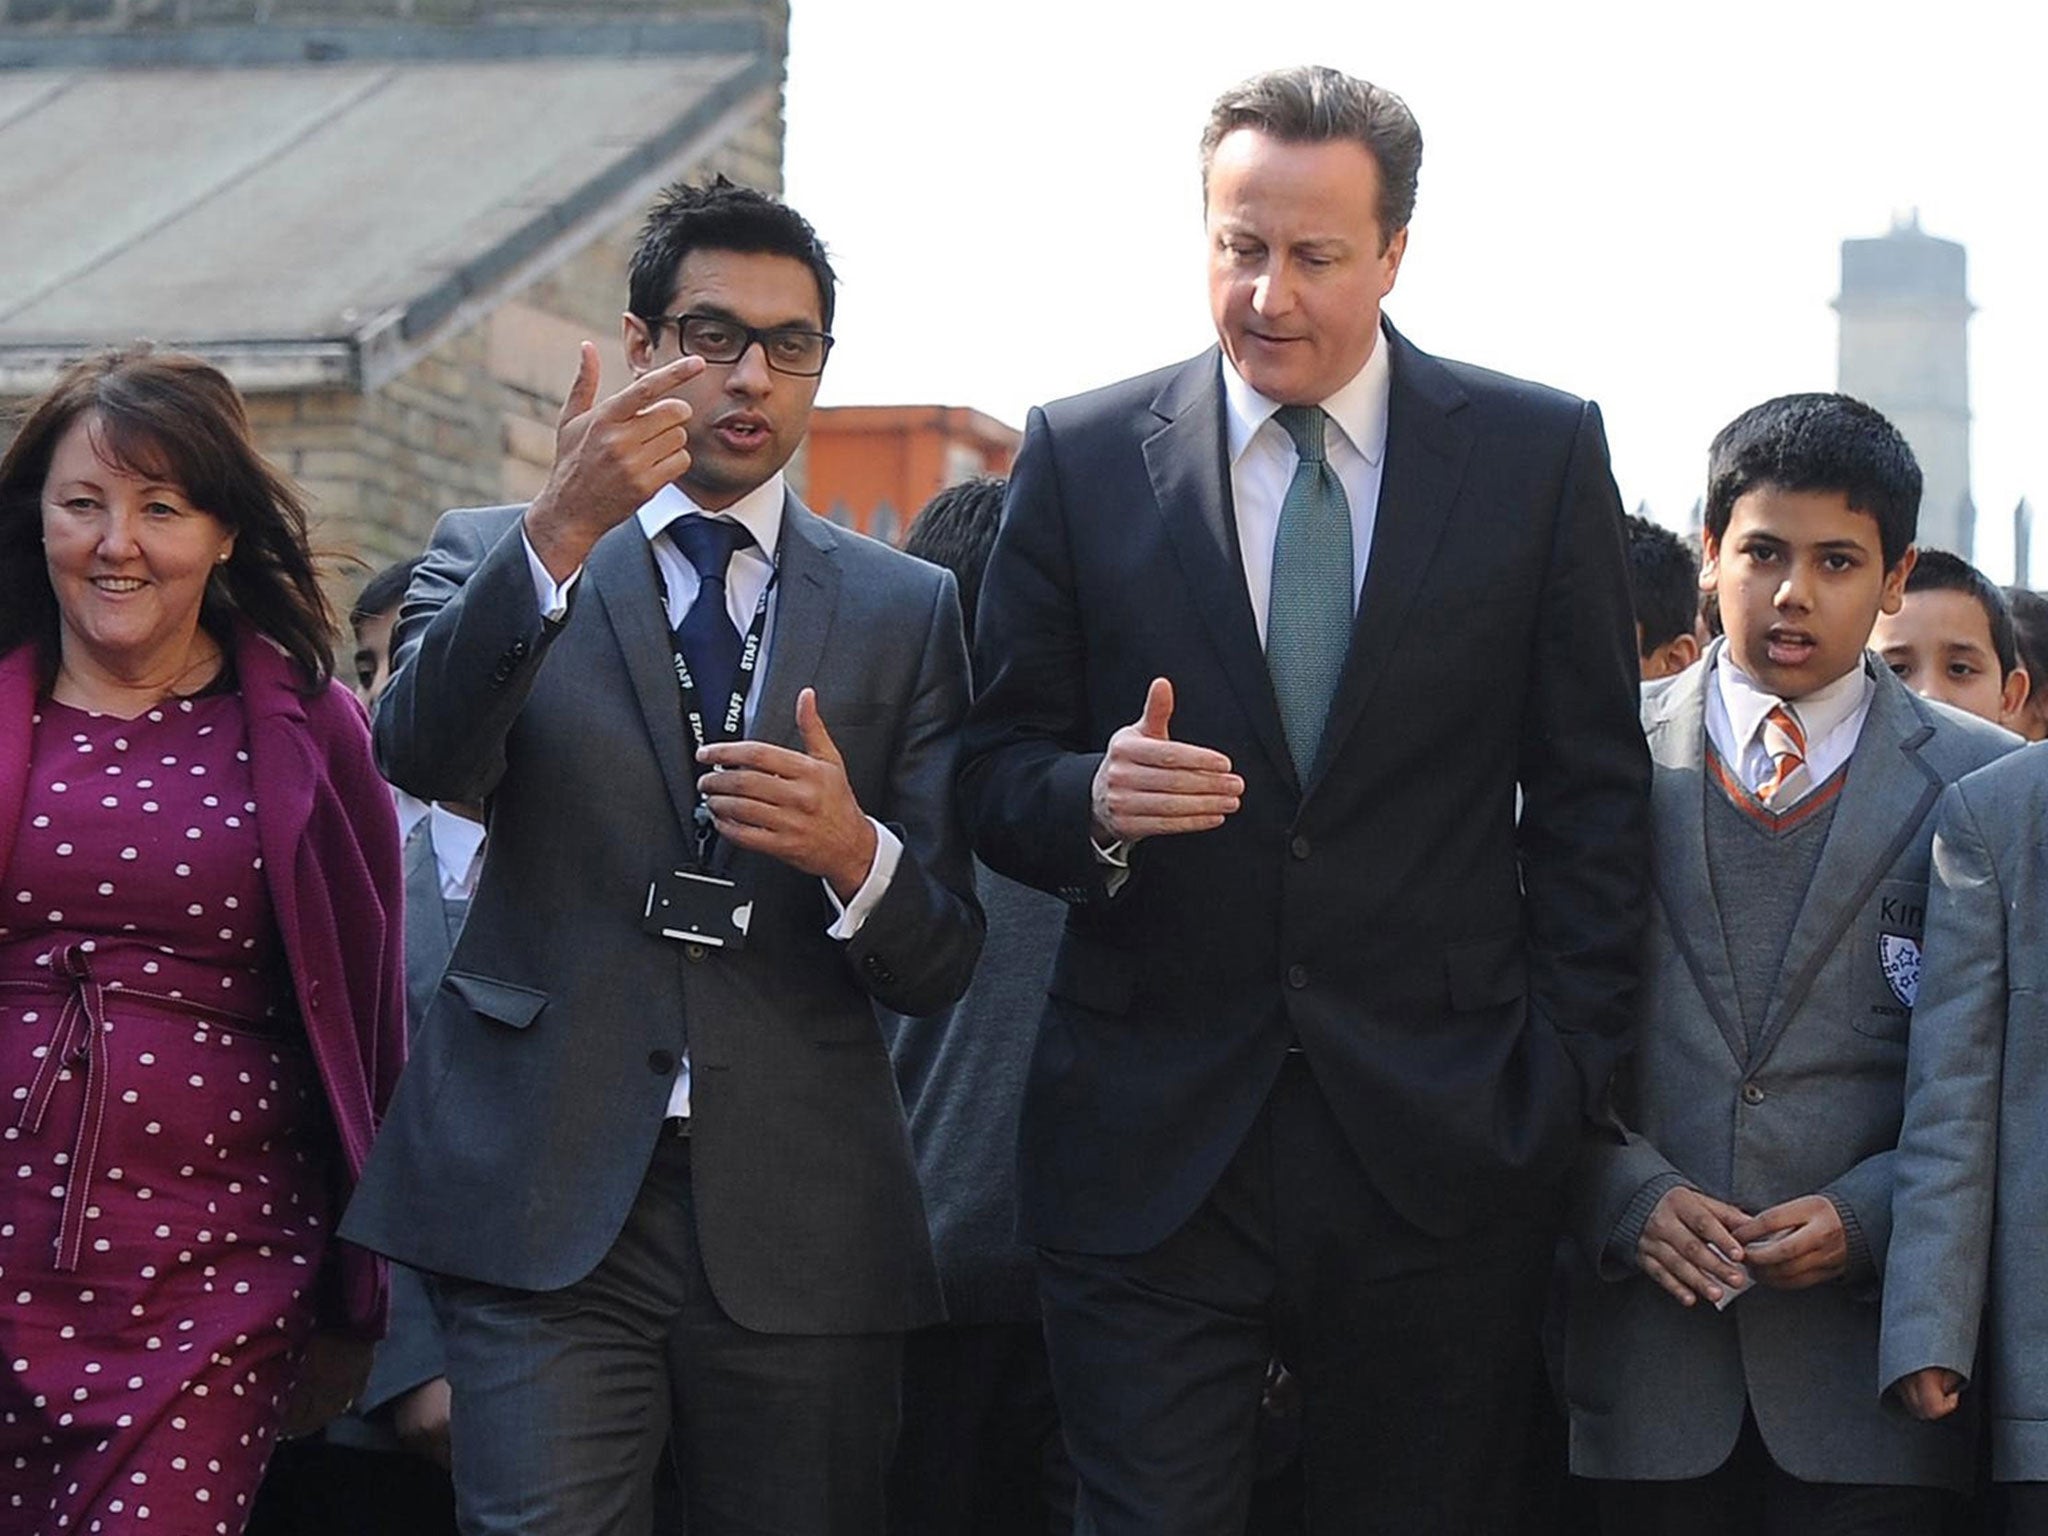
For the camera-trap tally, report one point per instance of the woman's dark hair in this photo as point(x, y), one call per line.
point(177, 418)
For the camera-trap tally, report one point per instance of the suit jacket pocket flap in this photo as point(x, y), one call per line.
point(1485, 973)
point(1094, 976)
point(499, 1000)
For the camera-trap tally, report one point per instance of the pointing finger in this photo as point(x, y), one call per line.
point(655, 383)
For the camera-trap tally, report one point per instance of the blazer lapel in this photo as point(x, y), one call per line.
point(1677, 730)
point(806, 599)
point(1189, 466)
point(18, 670)
point(1886, 796)
point(1427, 446)
point(621, 570)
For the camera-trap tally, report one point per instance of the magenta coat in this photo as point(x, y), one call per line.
point(325, 822)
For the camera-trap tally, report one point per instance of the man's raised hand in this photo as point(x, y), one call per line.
point(794, 806)
point(1150, 785)
point(611, 455)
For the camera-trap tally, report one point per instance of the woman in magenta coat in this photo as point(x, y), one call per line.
point(201, 1005)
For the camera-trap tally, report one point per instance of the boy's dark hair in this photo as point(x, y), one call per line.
point(2029, 611)
point(383, 592)
point(1665, 577)
point(957, 529)
point(720, 217)
point(1939, 571)
point(1818, 442)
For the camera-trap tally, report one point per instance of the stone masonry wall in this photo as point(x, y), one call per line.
point(473, 422)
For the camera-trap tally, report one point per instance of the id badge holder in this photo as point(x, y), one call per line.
point(696, 908)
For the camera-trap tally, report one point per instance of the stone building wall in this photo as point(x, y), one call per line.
point(473, 422)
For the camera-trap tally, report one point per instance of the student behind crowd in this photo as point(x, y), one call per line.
point(1952, 640)
point(2030, 636)
point(1970, 1201)
point(383, 1465)
point(980, 1453)
point(1664, 578)
point(1795, 787)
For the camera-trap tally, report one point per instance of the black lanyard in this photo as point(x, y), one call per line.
point(735, 707)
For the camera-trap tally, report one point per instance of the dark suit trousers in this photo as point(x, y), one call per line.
point(1415, 1355)
point(981, 1452)
point(564, 1400)
point(1749, 1492)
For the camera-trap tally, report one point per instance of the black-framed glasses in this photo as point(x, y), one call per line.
point(788, 349)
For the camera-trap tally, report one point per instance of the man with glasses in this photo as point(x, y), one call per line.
point(649, 1144)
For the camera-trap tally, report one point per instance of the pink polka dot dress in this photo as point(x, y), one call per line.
point(164, 1142)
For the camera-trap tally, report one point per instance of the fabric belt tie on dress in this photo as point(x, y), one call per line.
point(80, 1039)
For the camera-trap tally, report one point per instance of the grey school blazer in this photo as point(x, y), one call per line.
point(1656, 1390)
point(525, 1120)
point(1977, 1101)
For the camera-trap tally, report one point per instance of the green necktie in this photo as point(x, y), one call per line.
point(1308, 615)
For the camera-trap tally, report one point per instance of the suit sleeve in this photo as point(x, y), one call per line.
point(411, 1354)
point(469, 642)
point(1942, 1182)
point(915, 952)
point(1615, 1185)
point(1585, 778)
point(1027, 779)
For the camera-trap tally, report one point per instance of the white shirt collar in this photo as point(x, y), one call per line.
point(1359, 408)
point(759, 512)
point(456, 840)
point(1819, 712)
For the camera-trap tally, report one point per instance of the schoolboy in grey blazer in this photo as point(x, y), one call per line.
point(1794, 785)
point(1971, 1185)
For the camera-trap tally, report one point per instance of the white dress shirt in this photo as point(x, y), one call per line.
point(1262, 464)
point(457, 843)
point(760, 513)
point(1832, 718)
point(1263, 461)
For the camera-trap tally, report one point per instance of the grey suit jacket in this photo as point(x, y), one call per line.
point(526, 1118)
point(411, 1353)
point(1971, 1191)
point(1657, 1390)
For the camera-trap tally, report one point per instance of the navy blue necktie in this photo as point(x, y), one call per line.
point(707, 636)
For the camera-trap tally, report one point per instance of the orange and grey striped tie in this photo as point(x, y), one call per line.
point(1785, 740)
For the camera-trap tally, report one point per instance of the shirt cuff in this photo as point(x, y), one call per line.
point(888, 850)
point(1117, 857)
point(552, 595)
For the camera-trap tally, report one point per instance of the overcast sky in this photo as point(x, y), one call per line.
point(1641, 204)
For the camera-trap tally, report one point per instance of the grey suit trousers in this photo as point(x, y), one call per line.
point(562, 1409)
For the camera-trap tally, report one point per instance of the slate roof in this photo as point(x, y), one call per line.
point(308, 202)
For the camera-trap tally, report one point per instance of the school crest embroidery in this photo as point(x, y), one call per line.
point(1900, 957)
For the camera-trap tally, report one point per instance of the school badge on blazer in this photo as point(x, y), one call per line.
point(1900, 911)
point(1900, 957)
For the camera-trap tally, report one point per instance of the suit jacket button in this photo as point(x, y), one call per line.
point(1299, 847)
point(661, 1063)
point(1751, 1094)
point(1297, 976)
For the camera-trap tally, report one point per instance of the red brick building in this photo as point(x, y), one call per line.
point(872, 467)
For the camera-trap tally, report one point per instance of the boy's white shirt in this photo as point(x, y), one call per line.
point(1832, 717)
